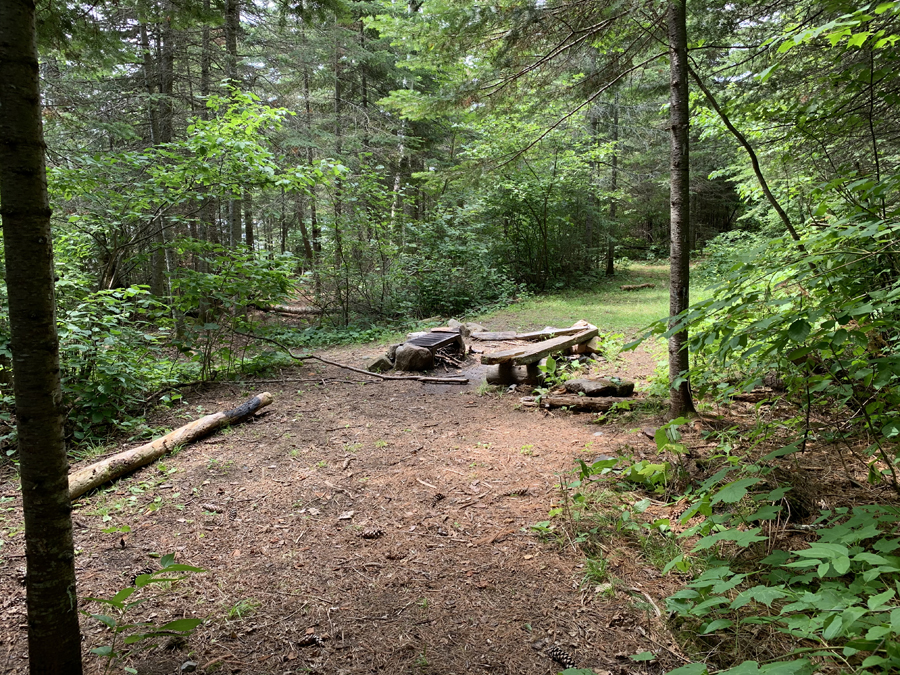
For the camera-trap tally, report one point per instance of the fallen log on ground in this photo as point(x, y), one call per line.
point(305, 357)
point(544, 334)
point(636, 287)
point(92, 476)
point(586, 403)
point(495, 336)
point(301, 310)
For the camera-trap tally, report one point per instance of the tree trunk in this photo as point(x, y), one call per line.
point(232, 26)
point(613, 186)
point(166, 74)
point(157, 260)
point(248, 221)
point(147, 69)
point(205, 62)
point(680, 401)
point(304, 234)
point(313, 216)
point(54, 640)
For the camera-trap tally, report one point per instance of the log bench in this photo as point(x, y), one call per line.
point(510, 362)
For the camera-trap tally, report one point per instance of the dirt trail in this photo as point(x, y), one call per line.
point(457, 583)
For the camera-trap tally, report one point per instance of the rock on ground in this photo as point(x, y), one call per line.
point(379, 365)
point(413, 358)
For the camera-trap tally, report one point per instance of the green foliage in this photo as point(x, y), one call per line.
point(111, 352)
point(839, 594)
point(554, 372)
point(130, 637)
point(724, 252)
point(449, 270)
point(219, 297)
point(243, 608)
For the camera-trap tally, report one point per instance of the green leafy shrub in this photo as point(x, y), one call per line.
point(835, 601)
point(111, 354)
point(130, 637)
point(219, 297)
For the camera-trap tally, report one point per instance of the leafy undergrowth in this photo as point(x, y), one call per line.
point(775, 557)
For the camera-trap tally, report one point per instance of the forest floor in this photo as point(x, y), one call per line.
point(447, 483)
point(458, 583)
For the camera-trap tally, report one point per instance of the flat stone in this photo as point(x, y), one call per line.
point(413, 358)
point(463, 328)
point(379, 365)
point(475, 327)
point(600, 387)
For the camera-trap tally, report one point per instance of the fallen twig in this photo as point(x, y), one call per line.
point(304, 357)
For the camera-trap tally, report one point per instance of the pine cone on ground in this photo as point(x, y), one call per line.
point(146, 570)
point(562, 657)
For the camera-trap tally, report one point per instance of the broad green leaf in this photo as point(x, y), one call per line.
point(764, 594)
point(178, 567)
point(740, 537)
point(788, 668)
point(643, 656)
point(690, 669)
point(878, 632)
point(105, 619)
point(833, 627)
point(858, 39)
point(734, 492)
point(182, 625)
point(877, 601)
point(873, 661)
point(718, 624)
point(123, 595)
point(799, 330)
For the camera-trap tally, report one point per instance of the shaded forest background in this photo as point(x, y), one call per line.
point(380, 164)
point(383, 162)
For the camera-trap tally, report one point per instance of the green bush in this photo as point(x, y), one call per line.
point(111, 355)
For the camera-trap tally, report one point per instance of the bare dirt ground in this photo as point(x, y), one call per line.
point(275, 510)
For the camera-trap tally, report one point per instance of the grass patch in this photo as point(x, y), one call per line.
point(605, 306)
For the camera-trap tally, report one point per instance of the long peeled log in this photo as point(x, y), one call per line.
point(88, 478)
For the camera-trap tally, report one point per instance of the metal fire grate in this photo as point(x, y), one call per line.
point(434, 341)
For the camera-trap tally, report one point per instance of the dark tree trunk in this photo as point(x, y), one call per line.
point(205, 62)
point(249, 232)
point(338, 138)
point(283, 224)
point(54, 640)
point(304, 233)
point(680, 401)
point(208, 207)
point(166, 75)
point(232, 27)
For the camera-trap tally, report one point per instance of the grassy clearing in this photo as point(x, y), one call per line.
point(605, 306)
